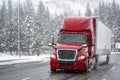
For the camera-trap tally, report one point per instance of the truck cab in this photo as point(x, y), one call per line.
point(76, 45)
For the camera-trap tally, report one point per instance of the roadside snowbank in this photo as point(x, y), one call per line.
point(6, 59)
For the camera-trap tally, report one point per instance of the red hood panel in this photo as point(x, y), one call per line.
point(69, 46)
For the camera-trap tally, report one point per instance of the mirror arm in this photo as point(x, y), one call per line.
point(52, 46)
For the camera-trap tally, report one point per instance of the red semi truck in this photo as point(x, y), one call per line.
point(81, 40)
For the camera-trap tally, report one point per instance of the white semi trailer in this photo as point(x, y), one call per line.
point(103, 40)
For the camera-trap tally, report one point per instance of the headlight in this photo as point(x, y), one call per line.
point(81, 57)
point(53, 56)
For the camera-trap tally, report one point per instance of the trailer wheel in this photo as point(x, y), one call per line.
point(107, 58)
point(96, 62)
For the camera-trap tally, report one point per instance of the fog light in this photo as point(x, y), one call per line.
point(53, 56)
point(81, 57)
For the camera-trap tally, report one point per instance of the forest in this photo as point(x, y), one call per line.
point(35, 27)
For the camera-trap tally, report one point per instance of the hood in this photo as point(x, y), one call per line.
point(69, 46)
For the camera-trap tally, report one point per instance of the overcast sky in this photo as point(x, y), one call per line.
point(58, 6)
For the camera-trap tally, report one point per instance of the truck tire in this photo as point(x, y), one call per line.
point(87, 66)
point(107, 59)
point(96, 62)
point(53, 70)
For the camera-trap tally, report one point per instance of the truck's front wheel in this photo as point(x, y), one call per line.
point(87, 66)
point(53, 70)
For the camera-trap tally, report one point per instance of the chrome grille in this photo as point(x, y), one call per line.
point(66, 55)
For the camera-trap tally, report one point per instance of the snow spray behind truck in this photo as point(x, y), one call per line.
point(81, 40)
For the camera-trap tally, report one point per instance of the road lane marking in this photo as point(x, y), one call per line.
point(119, 62)
point(113, 68)
point(26, 78)
point(104, 79)
point(89, 79)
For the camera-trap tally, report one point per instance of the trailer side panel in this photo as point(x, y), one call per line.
point(103, 39)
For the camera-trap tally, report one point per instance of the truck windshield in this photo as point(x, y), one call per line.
point(78, 38)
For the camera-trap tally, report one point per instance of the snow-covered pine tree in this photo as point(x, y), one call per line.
point(39, 28)
point(95, 13)
point(56, 23)
point(10, 31)
point(88, 10)
point(1, 32)
point(47, 27)
point(3, 26)
point(79, 13)
point(28, 24)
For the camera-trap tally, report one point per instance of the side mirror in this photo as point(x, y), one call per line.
point(52, 44)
